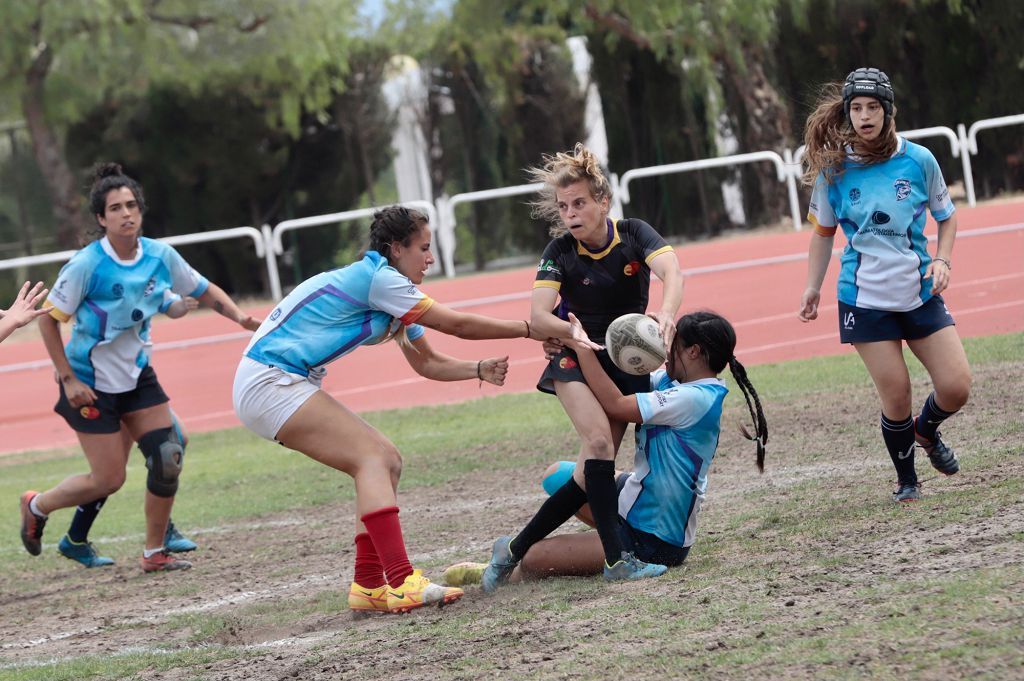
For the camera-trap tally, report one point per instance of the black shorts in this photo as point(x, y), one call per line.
point(566, 367)
point(649, 548)
point(861, 325)
point(104, 415)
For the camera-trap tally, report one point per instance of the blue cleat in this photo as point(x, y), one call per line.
point(176, 542)
point(631, 568)
point(501, 566)
point(83, 553)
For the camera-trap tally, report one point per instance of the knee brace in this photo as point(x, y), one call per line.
point(164, 458)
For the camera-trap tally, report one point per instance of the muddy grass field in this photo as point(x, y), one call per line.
point(808, 571)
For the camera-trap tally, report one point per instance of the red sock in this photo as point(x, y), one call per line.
point(369, 571)
point(386, 532)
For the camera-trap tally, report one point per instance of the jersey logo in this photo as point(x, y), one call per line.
point(117, 290)
point(854, 195)
point(275, 314)
point(631, 269)
point(136, 315)
point(150, 286)
point(547, 266)
point(89, 412)
point(848, 321)
point(566, 363)
point(902, 188)
point(880, 218)
point(942, 195)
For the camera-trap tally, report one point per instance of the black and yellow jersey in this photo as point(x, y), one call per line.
point(598, 286)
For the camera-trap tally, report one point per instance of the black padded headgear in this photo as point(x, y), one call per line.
point(868, 83)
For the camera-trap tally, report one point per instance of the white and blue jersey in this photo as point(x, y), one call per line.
point(331, 314)
point(881, 210)
point(674, 448)
point(112, 301)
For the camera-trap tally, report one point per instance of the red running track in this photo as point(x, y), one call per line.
point(755, 281)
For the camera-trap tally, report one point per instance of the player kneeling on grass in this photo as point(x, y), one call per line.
point(679, 417)
point(277, 390)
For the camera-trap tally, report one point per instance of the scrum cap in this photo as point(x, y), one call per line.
point(868, 83)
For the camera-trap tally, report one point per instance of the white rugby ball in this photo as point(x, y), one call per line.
point(634, 344)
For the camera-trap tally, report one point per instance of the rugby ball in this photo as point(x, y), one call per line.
point(634, 344)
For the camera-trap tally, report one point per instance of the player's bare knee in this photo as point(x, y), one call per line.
point(165, 457)
point(106, 484)
point(599, 447)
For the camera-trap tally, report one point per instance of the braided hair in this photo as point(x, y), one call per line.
point(391, 224)
point(717, 341)
point(106, 178)
point(394, 223)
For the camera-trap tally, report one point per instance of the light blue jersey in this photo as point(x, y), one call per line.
point(881, 210)
point(112, 301)
point(674, 448)
point(331, 314)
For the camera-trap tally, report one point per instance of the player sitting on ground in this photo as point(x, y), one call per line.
point(679, 417)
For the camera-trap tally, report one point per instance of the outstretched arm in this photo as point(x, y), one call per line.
point(23, 309)
point(440, 367)
point(474, 326)
point(216, 298)
point(618, 406)
point(666, 267)
point(548, 325)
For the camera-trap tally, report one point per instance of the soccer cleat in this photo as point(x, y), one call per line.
point(461, 574)
point(83, 553)
point(942, 457)
point(176, 542)
point(31, 525)
point(162, 561)
point(417, 591)
point(364, 601)
point(501, 566)
point(907, 492)
point(631, 568)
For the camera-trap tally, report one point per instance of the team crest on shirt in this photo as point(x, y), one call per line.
point(902, 188)
point(566, 363)
point(150, 286)
point(854, 195)
point(117, 290)
point(547, 266)
point(275, 314)
point(137, 315)
point(631, 269)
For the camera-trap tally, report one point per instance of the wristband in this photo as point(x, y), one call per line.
point(527, 328)
point(946, 262)
point(478, 374)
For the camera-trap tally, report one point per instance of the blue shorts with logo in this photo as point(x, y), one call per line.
point(861, 325)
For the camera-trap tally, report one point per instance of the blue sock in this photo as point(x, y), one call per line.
point(931, 416)
point(85, 515)
point(899, 440)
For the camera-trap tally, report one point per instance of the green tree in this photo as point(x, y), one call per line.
point(61, 59)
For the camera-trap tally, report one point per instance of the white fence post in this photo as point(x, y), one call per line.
point(794, 170)
point(965, 160)
point(273, 276)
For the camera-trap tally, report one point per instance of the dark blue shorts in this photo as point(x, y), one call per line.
point(649, 548)
point(104, 415)
point(566, 367)
point(861, 325)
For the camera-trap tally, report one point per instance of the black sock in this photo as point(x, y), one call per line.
point(931, 416)
point(85, 515)
point(603, 497)
point(899, 440)
point(558, 508)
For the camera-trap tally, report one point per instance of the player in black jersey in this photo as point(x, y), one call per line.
point(600, 268)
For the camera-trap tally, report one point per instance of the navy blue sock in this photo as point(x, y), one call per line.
point(899, 440)
point(85, 515)
point(558, 508)
point(931, 416)
point(603, 496)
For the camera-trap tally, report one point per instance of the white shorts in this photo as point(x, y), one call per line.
point(265, 397)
